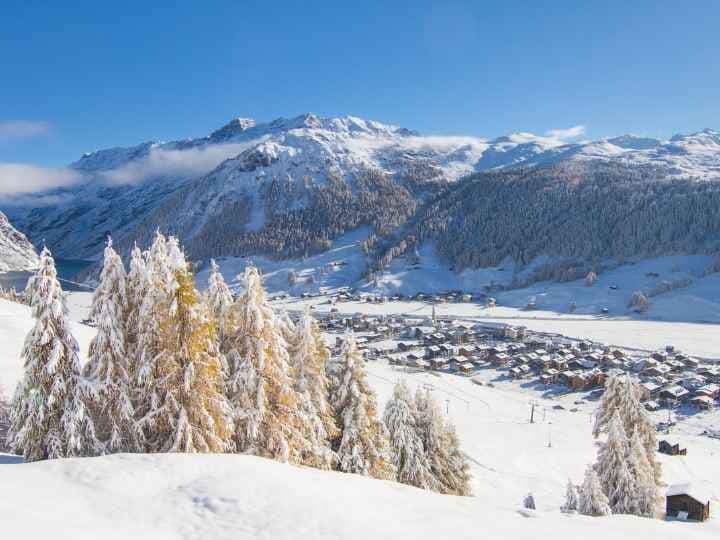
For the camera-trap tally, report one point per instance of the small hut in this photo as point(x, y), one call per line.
point(683, 501)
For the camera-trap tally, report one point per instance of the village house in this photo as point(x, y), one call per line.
point(673, 394)
point(664, 447)
point(702, 402)
point(684, 501)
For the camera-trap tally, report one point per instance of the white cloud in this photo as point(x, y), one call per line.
point(169, 162)
point(11, 130)
point(567, 133)
point(17, 180)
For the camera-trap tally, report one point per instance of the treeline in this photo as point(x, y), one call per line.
point(173, 370)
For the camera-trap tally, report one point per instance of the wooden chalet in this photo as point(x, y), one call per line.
point(664, 447)
point(683, 501)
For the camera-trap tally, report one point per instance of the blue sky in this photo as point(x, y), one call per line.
point(78, 76)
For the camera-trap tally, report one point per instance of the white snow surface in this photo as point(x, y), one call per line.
point(229, 496)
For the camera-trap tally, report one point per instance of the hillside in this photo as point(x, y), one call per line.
point(230, 496)
point(288, 188)
point(16, 252)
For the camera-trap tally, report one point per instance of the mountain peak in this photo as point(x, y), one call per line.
point(232, 128)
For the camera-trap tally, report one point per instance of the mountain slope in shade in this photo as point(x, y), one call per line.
point(16, 251)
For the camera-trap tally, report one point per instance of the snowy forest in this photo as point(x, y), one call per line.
point(174, 370)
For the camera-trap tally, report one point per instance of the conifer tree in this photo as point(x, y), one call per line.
point(448, 463)
point(107, 367)
point(316, 415)
point(363, 446)
point(48, 417)
point(260, 389)
point(636, 421)
point(616, 478)
point(571, 498)
point(135, 289)
point(591, 499)
point(646, 490)
point(406, 446)
point(192, 414)
point(159, 288)
point(219, 300)
point(611, 399)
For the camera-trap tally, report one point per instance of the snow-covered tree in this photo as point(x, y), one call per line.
point(135, 289)
point(611, 399)
point(363, 446)
point(406, 446)
point(448, 463)
point(529, 501)
point(591, 499)
point(571, 498)
point(317, 421)
point(260, 388)
point(637, 421)
point(49, 417)
point(639, 302)
point(4, 419)
point(646, 490)
point(591, 278)
point(613, 469)
point(192, 413)
point(107, 367)
point(219, 300)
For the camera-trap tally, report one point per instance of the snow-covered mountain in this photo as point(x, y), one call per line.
point(251, 188)
point(16, 251)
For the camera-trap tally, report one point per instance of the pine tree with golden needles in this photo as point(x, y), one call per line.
point(260, 388)
point(195, 415)
point(316, 416)
point(363, 445)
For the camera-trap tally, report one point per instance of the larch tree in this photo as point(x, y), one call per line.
point(611, 400)
point(107, 367)
point(48, 416)
point(363, 446)
point(411, 463)
point(644, 475)
point(613, 469)
point(448, 463)
point(194, 415)
point(317, 421)
point(591, 499)
point(636, 421)
point(260, 388)
point(158, 303)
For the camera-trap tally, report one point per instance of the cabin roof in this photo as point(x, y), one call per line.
point(697, 492)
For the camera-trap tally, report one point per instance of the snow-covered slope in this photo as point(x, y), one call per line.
point(251, 172)
point(16, 252)
point(228, 496)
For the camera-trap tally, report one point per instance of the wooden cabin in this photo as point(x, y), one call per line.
point(665, 447)
point(683, 502)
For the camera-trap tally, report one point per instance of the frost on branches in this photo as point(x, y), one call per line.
point(406, 447)
point(260, 389)
point(448, 464)
point(107, 367)
point(591, 499)
point(635, 433)
point(363, 445)
point(616, 476)
point(135, 289)
point(317, 423)
point(219, 300)
point(571, 499)
point(48, 416)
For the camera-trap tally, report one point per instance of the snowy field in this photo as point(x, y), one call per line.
point(179, 496)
